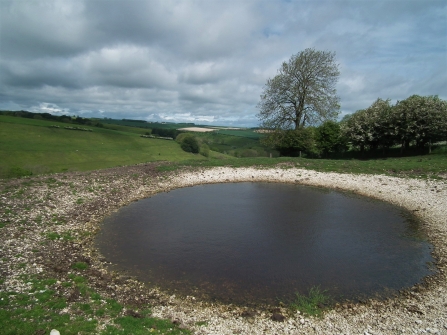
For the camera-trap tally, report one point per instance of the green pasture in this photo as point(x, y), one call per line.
point(237, 146)
point(32, 146)
point(426, 166)
point(144, 124)
point(249, 133)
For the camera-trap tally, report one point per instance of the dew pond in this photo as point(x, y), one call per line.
point(255, 243)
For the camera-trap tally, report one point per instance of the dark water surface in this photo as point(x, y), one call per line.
point(259, 242)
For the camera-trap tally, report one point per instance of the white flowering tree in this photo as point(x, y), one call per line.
point(422, 120)
point(371, 128)
point(416, 120)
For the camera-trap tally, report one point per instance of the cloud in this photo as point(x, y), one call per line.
point(208, 61)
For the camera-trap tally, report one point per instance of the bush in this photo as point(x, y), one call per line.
point(188, 143)
point(205, 150)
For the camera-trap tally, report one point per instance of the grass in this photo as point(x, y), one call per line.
point(249, 133)
point(427, 166)
point(30, 146)
point(312, 304)
point(39, 309)
point(237, 143)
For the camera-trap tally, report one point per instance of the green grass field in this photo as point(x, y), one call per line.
point(32, 146)
point(432, 166)
point(248, 133)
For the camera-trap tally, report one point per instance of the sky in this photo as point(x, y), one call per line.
point(207, 61)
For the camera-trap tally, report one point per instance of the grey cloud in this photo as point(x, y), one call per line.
point(207, 61)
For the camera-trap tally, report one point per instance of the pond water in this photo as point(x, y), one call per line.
point(247, 243)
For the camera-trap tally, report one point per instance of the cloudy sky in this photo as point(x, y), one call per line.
point(208, 61)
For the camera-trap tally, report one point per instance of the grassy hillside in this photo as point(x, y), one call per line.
point(33, 146)
point(427, 166)
point(249, 133)
point(244, 144)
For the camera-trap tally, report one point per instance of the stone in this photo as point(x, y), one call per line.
point(54, 332)
point(278, 317)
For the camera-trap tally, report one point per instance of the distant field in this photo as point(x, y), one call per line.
point(33, 146)
point(238, 146)
point(242, 133)
point(29, 145)
point(144, 124)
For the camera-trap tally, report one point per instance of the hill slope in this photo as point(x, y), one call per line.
point(36, 146)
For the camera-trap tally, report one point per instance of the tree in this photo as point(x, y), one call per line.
point(302, 93)
point(372, 127)
point(329, 139)
point(292, 142)
point(188, 143)
point(421, 119)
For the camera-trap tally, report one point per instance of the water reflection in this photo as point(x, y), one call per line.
point(259, 242)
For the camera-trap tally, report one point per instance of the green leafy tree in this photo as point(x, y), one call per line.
point(294, 141)
point(329, 139)
point(188, 143)
point(302, 93)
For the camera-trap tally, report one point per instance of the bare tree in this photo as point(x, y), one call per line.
point(302, 93)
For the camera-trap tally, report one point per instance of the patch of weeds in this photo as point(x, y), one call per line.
point(79, 266)
point(86, 308)
point(80, 201)
point(313, 304)
point(51, 180)
point(201, 323)
point(100, 312)
point(57, 220)
point(77, 279)
point(53, 236)
point(17, 172)
point(95, 296)
point(67, 236)
point(113, 307)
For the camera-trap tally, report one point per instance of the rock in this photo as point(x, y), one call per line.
point(74, 295)
point(54, 332)
point(278, 317)
point(248, 314)
point(415, 309)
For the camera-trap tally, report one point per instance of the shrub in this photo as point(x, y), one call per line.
point(205, 150)
point(188, 143)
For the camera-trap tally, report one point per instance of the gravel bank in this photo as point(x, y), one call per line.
point(73, 205)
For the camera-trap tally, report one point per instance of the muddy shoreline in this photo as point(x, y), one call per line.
point(51, 221)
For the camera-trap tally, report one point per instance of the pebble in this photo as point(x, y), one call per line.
point(382, 317)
